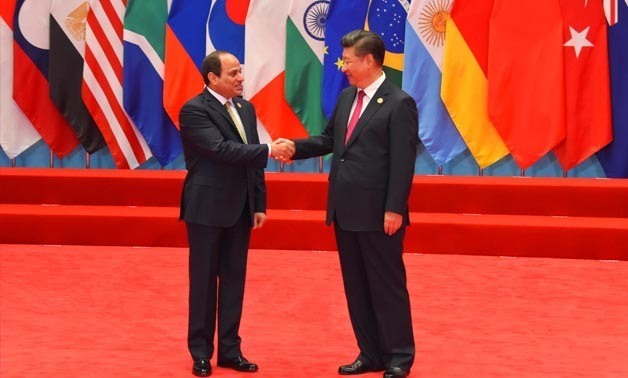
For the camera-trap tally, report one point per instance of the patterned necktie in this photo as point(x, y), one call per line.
point(355, 116)
point(236, 121)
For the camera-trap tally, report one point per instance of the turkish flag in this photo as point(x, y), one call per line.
point(587, 83)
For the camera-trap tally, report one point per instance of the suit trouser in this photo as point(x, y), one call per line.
point(217, 265)
point(374, 278)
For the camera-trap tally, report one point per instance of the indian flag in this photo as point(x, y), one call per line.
point(305, 45)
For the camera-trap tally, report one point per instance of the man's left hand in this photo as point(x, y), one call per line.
point(392, 222)
point(258, 220)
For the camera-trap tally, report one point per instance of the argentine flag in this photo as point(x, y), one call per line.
point(424, 41)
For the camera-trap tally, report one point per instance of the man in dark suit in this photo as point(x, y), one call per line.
point(224, 195)
point(373, 136)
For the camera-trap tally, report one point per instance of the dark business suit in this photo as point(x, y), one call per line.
point(223, 189)
point(370, 175)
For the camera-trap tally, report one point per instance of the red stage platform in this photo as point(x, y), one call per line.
point(534, 217)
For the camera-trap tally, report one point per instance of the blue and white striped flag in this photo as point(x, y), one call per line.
point(424, 41)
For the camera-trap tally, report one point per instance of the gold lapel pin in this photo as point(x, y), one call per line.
point(380, 100)
point(239, 105)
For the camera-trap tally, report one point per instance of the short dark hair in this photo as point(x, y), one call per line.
point(365, 42)
point(212, 63)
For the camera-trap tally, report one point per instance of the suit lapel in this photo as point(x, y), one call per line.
point(379, 98)
point(217, 106)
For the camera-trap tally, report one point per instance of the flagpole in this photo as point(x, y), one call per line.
point(440, 170)
point(88, 162)
point(281, 167)
point(52, 160)
point(13, 163)
point(481, 172)
point(565, 174)
point(522, 173)
point(320, 164)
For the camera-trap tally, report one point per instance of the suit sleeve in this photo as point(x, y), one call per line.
point(260, 181)
point(200, 131)
point(317, 145)
point(403, 145)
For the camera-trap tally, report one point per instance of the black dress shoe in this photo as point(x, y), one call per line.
point(396, 372)
point(240, 364)
point(357, 367)
point(202, 368)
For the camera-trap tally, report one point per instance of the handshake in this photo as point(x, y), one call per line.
point(282, 149)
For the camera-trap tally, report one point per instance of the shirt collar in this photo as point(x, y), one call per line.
point(374, 86)
point(220, 98)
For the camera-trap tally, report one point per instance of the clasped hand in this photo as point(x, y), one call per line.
point(282, 149)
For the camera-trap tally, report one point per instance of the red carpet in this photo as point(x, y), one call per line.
point(528, 217)
point(78, 311)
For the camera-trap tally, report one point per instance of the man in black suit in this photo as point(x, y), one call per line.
point(373, 134)
point(224, 195)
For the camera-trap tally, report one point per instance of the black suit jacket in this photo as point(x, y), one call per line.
point(223, 172)
point(373, 172)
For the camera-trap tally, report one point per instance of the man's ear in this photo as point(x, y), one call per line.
point(211, 77)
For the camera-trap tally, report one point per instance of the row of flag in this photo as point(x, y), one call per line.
point(494, 77)
point(502, 77)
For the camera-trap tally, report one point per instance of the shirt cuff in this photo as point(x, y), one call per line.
point(269, 149)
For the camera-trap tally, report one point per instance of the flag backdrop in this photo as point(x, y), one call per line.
point(67, 49)
point(102, 84)
point(265, 56)
point(526, 96)
point(305, 44)
point(143, 77)
point(464, 86)
point(424, 41)
point(614, 158)
point(16, 132)
point(184, 53)
point(31, 34)
point(514, 73)
point(587, 86)
point(343, 16)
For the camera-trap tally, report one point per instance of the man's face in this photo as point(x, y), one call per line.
point(356, 68)
point(229, 83)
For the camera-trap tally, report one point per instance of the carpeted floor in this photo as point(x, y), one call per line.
point(71, 311)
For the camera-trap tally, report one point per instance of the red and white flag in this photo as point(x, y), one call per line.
point(610, 11)
point(587, 83)
point(264, 77)
point(16, 132)
point(102, 84)
point(31, 34)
